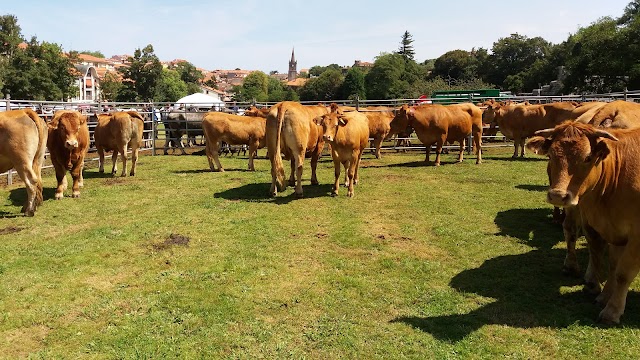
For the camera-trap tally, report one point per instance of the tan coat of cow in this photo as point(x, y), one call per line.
point(347, 134)
point(68, 143)
point(117, 131)
point(291, 129)
point(234, 130)
point(379, 121)
point(617, 114)
point(437, 124)
point(23, 143)
point(599, 172)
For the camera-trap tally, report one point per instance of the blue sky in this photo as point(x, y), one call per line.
point(259, 35)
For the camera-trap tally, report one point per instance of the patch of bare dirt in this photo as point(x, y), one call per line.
point(114, 181)
point(18, 343)
point(10, 230)
point(171, 241)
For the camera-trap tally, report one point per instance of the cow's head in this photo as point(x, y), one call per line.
point(492, 110)
point(574, 149)
point(66, 125)
point(400, 121)
point(330, 123)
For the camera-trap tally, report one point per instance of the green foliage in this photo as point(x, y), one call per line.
point(392, 77)
point(110, 85)
point(325, 87)
point(170, 87)
point(353, 85)
point(211, 82)
point(10, 35)
point(254, 87)
point(97, 54)
point(406, 49)
point(143, 74)
point(456, 64)
point(316, 71)
point(188, 72)
point(275, 90)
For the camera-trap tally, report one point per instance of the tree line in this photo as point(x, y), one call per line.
point(601, 57)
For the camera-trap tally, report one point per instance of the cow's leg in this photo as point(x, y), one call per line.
point(353, 163)
point(299, 160)
point(30, 179)
point(439, 145)
point(76, 175)
point(461, 154)
point(426, 159)
point(314, 164)
point(179, 139)
point(81, 178)
point(522, 147)
point(114, 158)
point(615, 252)
point(61, 177)
point(167, 142)
point(377, 144)
point(123, 155)
point(516, 143)
point(626, 270)
point(356, 178)
point(336, 182)
point(134, 159)
point(101, 159)
point(593, 276)
point(216, 157)
point(570, 231)
point(477, 142)
point(253, 152)
point(292, 177)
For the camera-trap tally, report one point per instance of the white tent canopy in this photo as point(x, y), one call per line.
point(200, 100)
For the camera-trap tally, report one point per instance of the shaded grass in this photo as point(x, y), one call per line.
point(456, 261)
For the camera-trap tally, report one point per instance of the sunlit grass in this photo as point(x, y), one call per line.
point(424, 262)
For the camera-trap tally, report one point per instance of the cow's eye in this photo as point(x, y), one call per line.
point(587, 159)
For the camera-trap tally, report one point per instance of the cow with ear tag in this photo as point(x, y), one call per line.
point(348, 135)
point(68, 142)
point(599, 172)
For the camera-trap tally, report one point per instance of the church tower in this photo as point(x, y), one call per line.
point(293, 67)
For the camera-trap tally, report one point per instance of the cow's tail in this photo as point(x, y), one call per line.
point(137, 127)
point(274, 149)
point(38, 159)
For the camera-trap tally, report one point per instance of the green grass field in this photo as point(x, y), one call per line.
point(460, 261)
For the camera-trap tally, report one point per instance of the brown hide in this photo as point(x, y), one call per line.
point(292, 130)
point(598, 171)
point(437, 124)
point(379, 122)
point(23, 142)
point(117, 131)
point(348, 135)
point(255, 112)
point(68, 143)
point(617, 114)
point(234, 130)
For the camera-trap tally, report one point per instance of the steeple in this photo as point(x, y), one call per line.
point(293, 67)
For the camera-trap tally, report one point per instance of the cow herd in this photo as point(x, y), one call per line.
point(593, 150)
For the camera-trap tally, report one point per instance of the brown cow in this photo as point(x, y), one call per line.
point(117, 131)
point(617, 114)
point(437, 124)
point(348, 135)
point(598, 171)
point(379, 121)
point(519, 122)
point(68, 143)
point(234, 130)
point(292, 130)
point(23, 142)
point(257, 112)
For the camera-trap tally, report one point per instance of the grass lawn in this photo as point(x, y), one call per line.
point(460, 261)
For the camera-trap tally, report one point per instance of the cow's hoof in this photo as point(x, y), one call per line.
point(607, 319)
point(75, 195)
point(602, 299)
point(592, 288)
point(59, 196)
point(123, 175)
point(299, 195)
point(334, 194)
point(101, 171)
point(350, 194)
point(315, 182)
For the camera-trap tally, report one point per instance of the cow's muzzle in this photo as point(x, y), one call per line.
point(71, 144)
point(559, 197)
point(328, 138)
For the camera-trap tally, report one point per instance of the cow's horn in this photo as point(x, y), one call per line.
point(544, 133)
point(606, 135)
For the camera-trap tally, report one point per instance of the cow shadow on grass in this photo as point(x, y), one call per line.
point(526, 288)
point(516, 159)
point(530, 187)
point(204, 171)
point(96, 175)
point(413, 164)
point(259, 192)
point(18, 197)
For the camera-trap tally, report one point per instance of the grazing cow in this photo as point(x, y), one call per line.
point(292, 130)
point(234, 130)
point(68, 143)
point(117, 131)
point(23, 142)
point(379, 122)
point(599, 172)
point(256, 112)
point(520, 121)
point(348, 135)
point(437, 124)
point(178, 123)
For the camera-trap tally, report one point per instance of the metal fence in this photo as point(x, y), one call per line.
point(156, 117)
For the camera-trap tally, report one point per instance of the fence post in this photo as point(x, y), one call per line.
point(625, 93)
point(153, 130)
point(357, 102)
point(8, 100)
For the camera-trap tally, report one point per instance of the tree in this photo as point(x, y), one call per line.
point(324, 87)
point(188, 72)
point(316, 71)
point(143, 74)
point(406, 49)
point(275, 90)
point(10, 35)
point(631, 11)
point(391, 77)
point(170, 88)
point(353, 85)
point(255, 87)
point(110, 85)
point(97, 54)
point(456, 64)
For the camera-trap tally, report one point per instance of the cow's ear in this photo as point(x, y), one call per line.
point(539, 145)
point(83, 119)
point(52, 125)
point(317, 120)
point(599, 151)
point(342, 121)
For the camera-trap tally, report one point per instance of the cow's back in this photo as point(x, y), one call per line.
point(618, 114)
point(353, 135)
point(23, 137)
